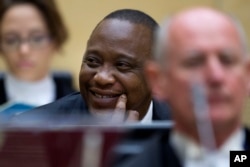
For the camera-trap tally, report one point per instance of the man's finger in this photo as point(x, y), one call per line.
point(121, 103)
point(120, 109)
point(133, 116)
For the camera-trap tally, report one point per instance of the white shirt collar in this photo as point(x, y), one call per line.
point(191, 154)
point(33, 93)
point(147, 119)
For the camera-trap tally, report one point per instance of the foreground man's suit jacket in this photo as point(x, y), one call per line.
point(157, 151)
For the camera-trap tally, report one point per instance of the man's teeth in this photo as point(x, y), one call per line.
point(103, 96)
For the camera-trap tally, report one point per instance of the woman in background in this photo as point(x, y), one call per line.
point(31, 31)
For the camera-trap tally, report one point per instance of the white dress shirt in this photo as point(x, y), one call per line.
point(148, 118)
point(32, 93)
point(193, 155)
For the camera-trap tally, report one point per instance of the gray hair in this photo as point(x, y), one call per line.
point(242, 34)
point(162, 39)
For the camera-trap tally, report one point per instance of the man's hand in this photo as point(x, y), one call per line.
point(120, 111)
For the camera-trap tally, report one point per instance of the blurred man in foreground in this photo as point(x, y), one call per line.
point(201, 68)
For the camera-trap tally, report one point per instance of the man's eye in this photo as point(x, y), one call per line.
point(92, 62)
point(193, 59)
point(123, 66)
point(192, 63)
point(228, 59)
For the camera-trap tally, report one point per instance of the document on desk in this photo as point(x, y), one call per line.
point(10, 109)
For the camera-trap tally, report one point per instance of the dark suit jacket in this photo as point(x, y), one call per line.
point(63, 83)
point(73, 108)
point(157, 151)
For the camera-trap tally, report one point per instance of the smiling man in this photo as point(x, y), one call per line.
point(112, 73)
point(113, 63)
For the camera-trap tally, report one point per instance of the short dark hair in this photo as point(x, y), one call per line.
point(49, 11)
point(134, 16)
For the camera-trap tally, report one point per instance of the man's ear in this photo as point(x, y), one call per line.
point(248, 75)
point(157, 80)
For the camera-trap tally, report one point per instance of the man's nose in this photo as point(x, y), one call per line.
point(104, 77)
point(215, 71)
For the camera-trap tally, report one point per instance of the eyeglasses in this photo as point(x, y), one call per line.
point(11, 44)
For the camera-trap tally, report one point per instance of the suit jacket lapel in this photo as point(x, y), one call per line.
point(247, 139)
point(161, 111)
point(170, 157)
point(3, 97)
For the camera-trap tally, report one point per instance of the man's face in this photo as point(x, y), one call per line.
point(211, 55)
point(113, 65)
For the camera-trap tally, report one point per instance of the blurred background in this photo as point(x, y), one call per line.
point(81, 17)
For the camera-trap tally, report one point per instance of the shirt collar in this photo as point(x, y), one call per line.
point(147, 119)
point(187, 149)
point(34, 93)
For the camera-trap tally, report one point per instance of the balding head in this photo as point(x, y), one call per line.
point(199, 16)
point(193, 20)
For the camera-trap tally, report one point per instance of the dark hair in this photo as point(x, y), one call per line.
point(134, 16)
point(48, 9)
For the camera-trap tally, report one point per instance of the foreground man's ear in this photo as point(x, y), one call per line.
point(157, 80)
point(247, 66)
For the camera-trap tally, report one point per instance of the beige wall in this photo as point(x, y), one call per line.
point(81, 16)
